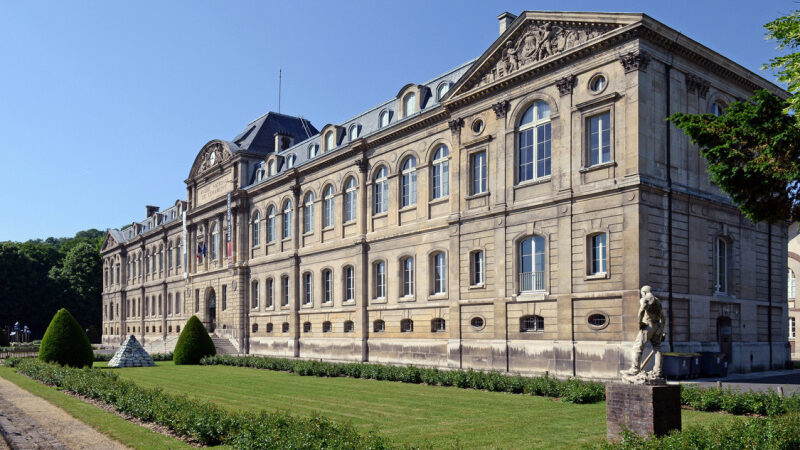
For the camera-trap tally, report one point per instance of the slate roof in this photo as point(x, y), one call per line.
point(259, 135)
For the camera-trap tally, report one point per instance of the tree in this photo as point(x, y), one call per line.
point(753, 155)
point(193, 344)
point(80, 277)
point(65, 342)
point(786, 31)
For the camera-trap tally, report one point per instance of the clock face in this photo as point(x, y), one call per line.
point(212, 158)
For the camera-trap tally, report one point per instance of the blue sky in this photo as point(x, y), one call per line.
point(104, 105)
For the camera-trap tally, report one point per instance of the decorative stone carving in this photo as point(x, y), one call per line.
point(695, 84)
point(500, 108)
point(651, 329)
point(363, 165)
point(295, 188)
point(637, 60)
point(567, 84)
point(455, 125)
point(538, 41)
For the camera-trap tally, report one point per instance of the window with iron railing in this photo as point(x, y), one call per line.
point(532, 264)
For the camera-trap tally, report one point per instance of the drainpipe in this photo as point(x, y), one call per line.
point(668, 69)
point(769, 291)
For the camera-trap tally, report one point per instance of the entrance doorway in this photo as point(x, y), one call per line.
point(725, 337)
point(212, 311)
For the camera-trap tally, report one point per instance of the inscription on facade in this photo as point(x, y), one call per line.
point(215, 189)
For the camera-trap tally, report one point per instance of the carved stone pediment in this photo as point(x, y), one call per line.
point(212, 155)
point(537, 41)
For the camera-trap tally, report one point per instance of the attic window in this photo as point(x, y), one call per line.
point(330, 141)
point(409, 104)
point(312, 150)
point(353, 132)
point(290, 161)
point(442, 89)
point(384, 120)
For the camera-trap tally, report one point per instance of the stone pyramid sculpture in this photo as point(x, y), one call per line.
point(131, 354)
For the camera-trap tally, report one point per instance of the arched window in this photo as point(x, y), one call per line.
point(384, 119)
point(271, 168)
point(379, 270)
point(406, 326)
point(287, 220)
point(255, 328)
point(177, 303)
point(256, 229)
point(721, 263)
point(350, 200)
point(353, 132)
point(533, 143)
point(326, 327)
point(407, 265)
point(169, 304)
point(408, 182)
point(531, 323)
point(330, 141)
point(379, 326)
point(792, 285)
point(169, 257)
point(409, 104)
point(312, 150)
point(214, 242)
point(440, 177)
point(381, 191)
point(598, 256)
point(349, 283)
point(270, 224)
point(308, 213)
point(531, 264)
point(254, 295)
point(441, 90)
point(285, 327)
point(438, 325)
point(306, 327)
point(308, 288)
point(717, 108)
point(269, 301)
point(327, 286)
point(439, 264)
point(327, 207)
point(348, 326)
point(285, 291)
point(269, 328)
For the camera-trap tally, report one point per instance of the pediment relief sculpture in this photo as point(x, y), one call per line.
point(539, 41)
point(211, 155)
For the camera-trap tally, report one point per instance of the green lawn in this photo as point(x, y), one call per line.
point(406, 413)
point(109, 424)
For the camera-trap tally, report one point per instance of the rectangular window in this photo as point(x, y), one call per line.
point(599, 139)
point(477, 268)
point(722, 266)
point(196, 301)
point(308, 289)
point(254, 298)
point(224, 297)
point(178, 301)
point(599, 255)
point(408, 277)
point(792, 329)
point(269, 293)
point(478, 173)
point(327, 286)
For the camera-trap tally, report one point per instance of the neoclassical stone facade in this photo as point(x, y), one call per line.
point(791, 288)
point(500, 216)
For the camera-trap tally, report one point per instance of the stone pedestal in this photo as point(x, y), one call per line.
point(642, 409)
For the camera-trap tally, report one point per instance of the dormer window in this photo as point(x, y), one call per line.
point(442, 90)
point(271, 168)
point(384, 119)
point(312, 150)
point(290, 162)
point(353, 132)
point(409, 104)
point(330, 141)
point(259, 174)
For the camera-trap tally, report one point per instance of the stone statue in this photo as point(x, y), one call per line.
point(510, 57)
point(651, 329)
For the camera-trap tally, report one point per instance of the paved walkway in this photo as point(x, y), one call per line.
point(30, 422)
point(789, 380)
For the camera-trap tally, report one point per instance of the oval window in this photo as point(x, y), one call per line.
point(476, 322)
point(477, 126)
point(598, 83)
point(597, 320)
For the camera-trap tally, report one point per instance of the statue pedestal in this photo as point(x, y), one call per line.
point(642, 409)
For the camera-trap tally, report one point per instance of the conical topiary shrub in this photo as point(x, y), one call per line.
point(193, 344)
point(65, 342)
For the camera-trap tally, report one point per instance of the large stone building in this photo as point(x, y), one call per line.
point(791, 288)
point(500, 216)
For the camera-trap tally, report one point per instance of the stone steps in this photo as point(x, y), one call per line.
point(224, 346)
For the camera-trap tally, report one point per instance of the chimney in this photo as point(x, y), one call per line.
point(283, 141)
point(505, 20)
point(151, 210)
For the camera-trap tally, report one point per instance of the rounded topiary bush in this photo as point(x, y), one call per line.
point(65, 342)
point(193, 344)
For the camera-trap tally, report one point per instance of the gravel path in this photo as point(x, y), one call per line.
point(30, 422)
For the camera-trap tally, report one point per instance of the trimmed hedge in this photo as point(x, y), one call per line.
point(193, 344)
point(572, 390)
point(204, 422)
point(782, 432)
point(156, 356)
point(65, 342)
point(761, 403)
